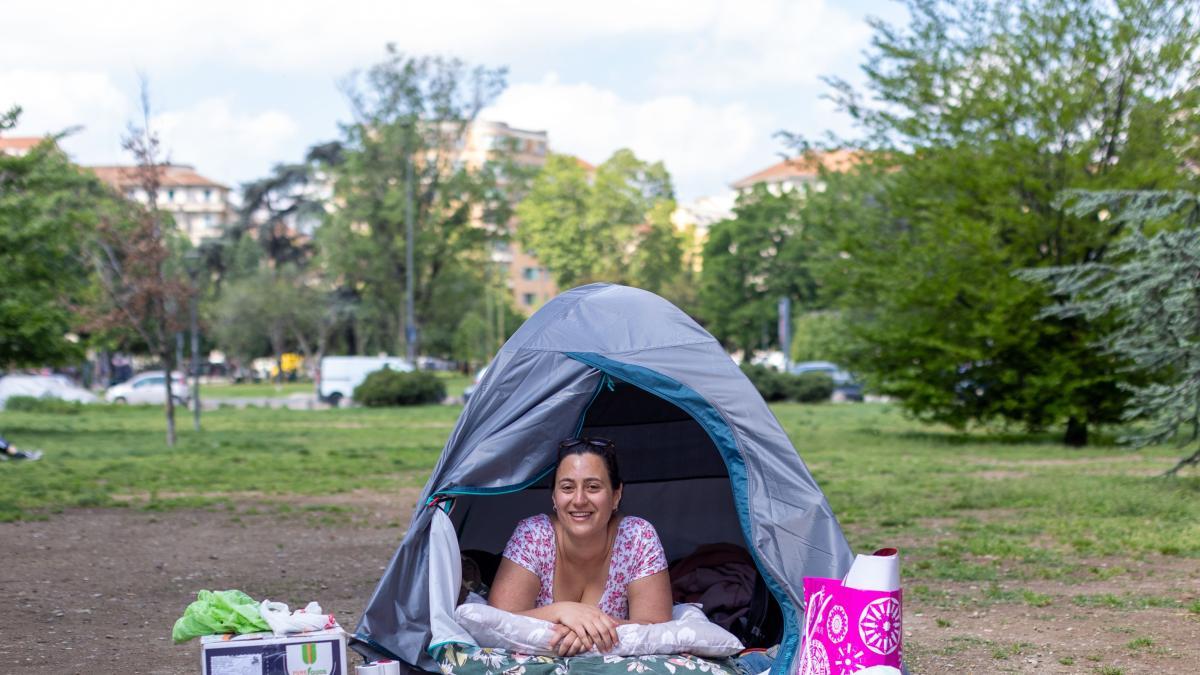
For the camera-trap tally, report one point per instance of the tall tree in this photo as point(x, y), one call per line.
point(975, 116)
point(613, 226)
point(278, 210)
point(1150, 288)
point(411, 114)
point(751, 261)
point(273, 311)
point(144, 287)
point(47, 206)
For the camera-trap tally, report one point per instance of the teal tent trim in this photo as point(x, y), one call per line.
point(502, 490)
point(506, 489)
point(718, 430)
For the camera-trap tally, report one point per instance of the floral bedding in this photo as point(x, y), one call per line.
point(460, 659)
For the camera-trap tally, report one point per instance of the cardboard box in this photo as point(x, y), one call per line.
point(320, 652)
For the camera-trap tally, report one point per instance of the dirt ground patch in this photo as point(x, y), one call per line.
point(97, 591)
point(1055, 639)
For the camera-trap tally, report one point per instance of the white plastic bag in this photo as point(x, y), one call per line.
point(282, 623)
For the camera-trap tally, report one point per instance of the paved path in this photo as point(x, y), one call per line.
point(293, 402)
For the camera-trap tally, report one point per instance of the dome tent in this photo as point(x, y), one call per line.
point(702, 457)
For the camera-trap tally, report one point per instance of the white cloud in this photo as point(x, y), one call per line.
point(710, 67)
point(699, 143)
point(765, 42)
point(220, 141)
point(307, 34)
point(53, 101)
point(225, 144)
point(749, 41)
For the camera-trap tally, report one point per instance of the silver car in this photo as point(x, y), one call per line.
point(148, 387)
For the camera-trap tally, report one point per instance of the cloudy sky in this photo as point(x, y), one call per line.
point(238, 86)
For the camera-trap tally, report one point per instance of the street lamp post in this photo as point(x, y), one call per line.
point(410, 319)
point(192, 258)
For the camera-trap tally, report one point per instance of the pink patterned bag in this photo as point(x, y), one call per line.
point(847, 629)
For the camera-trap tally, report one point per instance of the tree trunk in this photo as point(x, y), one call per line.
point(1077, 432)
point(277, 347)
point(167, 358)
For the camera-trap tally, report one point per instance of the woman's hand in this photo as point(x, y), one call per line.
point(589, 625)
point(569, 644)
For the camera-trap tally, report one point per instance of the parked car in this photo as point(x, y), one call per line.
point(338, 376)
point(43, 386)
point(149, 387)
point(474, 383)
point(435, 363)
point(845, 387)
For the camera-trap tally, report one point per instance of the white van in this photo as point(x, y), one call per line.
point(339, 375)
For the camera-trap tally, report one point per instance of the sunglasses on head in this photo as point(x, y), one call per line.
point(594, 442)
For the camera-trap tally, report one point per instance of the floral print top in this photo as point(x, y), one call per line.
point(636, 553)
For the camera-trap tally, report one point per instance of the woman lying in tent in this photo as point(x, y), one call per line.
point(587, 569)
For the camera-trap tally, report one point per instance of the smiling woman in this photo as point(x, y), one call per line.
point(587, 569)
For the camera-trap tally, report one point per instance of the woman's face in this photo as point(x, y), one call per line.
point(584, 498)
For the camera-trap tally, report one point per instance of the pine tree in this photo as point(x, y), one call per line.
point(1150, 285)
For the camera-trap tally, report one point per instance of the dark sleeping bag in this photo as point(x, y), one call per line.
point(723, 579)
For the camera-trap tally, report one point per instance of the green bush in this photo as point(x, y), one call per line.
point(769, 383)
point(52, 406)
point(807, 387)
point(774, 386)
point(387, 387)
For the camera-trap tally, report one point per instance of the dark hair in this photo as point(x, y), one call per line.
point(605, 449)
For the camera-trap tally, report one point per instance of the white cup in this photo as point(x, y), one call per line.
point(878, 572)
point(387, 667)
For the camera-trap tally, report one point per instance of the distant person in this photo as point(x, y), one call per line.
point(9, 451)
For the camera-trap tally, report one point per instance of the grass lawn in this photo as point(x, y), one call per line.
point(1004, 498)
point(111, 455)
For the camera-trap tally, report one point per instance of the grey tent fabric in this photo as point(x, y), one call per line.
point(703, 457)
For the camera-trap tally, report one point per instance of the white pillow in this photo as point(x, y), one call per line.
point(688, 631)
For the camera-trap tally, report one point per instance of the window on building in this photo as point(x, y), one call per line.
point(207, 195)
point(530, 273)
point(528, 299)
point(170, 195)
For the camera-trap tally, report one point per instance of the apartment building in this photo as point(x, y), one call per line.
point(199, 205)
point(19, 146)
point(693, 220)
point(529, 282)
point(484, 138)
point(796, 173)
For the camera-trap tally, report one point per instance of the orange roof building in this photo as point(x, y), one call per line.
point(199, 205)
point(19, 145)
point(173, 175)
point(799, 171)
